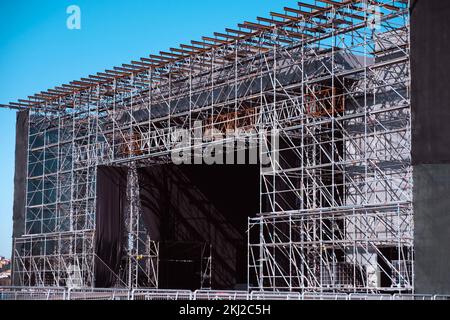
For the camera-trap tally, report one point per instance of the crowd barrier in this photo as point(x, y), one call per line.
point(37, 293)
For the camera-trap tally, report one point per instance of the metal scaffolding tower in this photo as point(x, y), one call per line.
point(331, 77)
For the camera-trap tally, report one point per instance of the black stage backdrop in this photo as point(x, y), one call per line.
point(110, 224)
point(20, 178)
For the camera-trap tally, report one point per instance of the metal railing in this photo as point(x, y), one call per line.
point(33, 293)
point(267, 295)
point(98, 294)
point(154, 294)
point(363, 296)
point(413, 297)
point(325, 296)
point(58, 293)
point(220, 295)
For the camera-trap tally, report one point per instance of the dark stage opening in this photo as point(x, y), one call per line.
point(198, 215)
point(196, 212)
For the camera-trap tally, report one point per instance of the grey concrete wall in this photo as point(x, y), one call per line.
point(432, 228)
point(430, 67)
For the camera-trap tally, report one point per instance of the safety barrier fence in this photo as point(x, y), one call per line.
point(36, 293)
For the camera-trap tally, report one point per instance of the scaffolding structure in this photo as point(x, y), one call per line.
point(331, 77)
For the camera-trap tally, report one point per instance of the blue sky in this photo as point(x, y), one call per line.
point(38, 52)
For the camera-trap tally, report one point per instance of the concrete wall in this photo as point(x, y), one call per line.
point(432, 228)
point(430, 63)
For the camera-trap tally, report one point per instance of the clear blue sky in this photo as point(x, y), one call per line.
point(38, 52)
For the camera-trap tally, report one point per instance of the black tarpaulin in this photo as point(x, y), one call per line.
point(20, 178)
point(109, 236)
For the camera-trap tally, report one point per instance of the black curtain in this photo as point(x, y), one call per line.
point(110, 224)
point(20, 180)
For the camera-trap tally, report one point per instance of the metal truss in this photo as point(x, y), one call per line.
point(141, 265)
point(331, 77)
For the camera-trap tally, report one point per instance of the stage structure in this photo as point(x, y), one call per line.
point(331, 77)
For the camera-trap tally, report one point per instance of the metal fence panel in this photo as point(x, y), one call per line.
point(413, 297)
point(265, 295)
point(220, 295)
point(33, 293)
point(441, 297)
point(324, 296)
point(99, 294)
point(369, 296)
point(153, 294)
